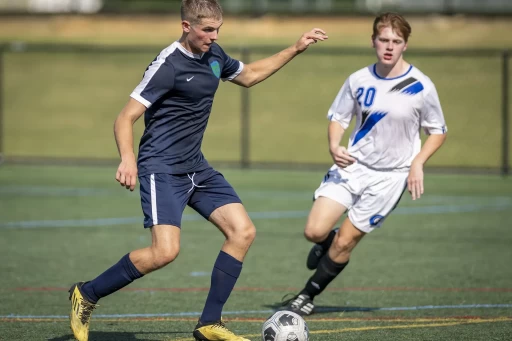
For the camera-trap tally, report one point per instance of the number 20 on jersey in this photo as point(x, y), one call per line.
point(365, 97)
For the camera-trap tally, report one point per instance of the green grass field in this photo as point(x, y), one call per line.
point(63, 104)
point(67, 102)
point(439, 269)
point(451, 32)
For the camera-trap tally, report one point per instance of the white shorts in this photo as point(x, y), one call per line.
point(368, 195)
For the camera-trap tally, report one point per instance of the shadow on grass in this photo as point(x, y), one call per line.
point(118, 336)
point(324, 309)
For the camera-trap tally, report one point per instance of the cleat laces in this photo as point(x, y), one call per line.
point(87, 309)
point(290, 298)
point(222, 326)
point(297, 302)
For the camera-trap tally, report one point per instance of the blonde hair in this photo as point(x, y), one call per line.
point(196, 10)
point(393, 20)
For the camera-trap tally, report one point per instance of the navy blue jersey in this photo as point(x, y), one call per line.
point(178, 89)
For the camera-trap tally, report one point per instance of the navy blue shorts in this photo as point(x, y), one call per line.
point(164, 196)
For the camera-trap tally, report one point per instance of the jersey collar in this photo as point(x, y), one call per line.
point(374, 71)
point(187, 52)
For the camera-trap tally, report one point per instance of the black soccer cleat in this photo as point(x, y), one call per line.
point(300, 304)
point(317, 252)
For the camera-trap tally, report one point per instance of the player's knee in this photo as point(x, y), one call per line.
point(244, 233)
point(343, 245)
point(314, 234)
point(248, 233)
point(164, 256)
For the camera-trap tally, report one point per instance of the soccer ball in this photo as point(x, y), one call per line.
point(285, 326)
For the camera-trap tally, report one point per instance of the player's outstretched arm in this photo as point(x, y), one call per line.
point(415, 179)
point(123, 131)
point(260, 70)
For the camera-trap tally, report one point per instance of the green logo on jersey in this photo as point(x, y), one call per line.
point(215, 68)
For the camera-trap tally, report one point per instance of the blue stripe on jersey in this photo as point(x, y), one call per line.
point(413, 89)
point(371, 121)
point(374, 69)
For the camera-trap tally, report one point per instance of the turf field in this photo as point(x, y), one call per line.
point(439, 269)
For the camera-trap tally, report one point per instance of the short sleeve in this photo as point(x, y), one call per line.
point(343, 107)
point(232, 67)
point(432, 118)
point(157, 81)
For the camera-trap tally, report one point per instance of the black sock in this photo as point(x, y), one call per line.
point(327, 271)
point(328, 241)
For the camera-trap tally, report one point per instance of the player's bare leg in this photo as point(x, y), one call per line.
point(329, 268)
point(165, 247)
point(234, 222)
point(344, 242)
point(324, 215)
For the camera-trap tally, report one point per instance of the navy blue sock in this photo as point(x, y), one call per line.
point(115, 278)
point(225, 273)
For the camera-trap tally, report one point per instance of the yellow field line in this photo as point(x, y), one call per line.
point(406, 326)
point(416, 323)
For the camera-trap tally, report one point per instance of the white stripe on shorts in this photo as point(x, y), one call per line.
point(154, 211)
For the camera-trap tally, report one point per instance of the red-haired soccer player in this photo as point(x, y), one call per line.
point(390, 100)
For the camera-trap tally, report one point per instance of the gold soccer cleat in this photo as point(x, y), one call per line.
point(81, 311)
point(215, 332)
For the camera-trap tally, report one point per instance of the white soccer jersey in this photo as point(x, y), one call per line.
point(389, 114)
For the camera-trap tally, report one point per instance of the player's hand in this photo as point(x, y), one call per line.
point(341, 157)
point(309, 38)
point(127, 173)
point(415, 180)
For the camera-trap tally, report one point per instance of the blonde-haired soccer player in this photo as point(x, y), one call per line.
point(390, 100)
point(176, 96)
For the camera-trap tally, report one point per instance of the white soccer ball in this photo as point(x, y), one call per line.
point(285, 326)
